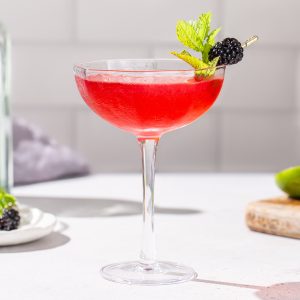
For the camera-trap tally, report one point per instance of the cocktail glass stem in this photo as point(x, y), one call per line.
point(148, 270)
point(148, 250)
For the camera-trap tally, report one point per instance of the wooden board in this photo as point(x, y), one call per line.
point(279, 216)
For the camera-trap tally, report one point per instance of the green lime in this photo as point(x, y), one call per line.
point(288, 180)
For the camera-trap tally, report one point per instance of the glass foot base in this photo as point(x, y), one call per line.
point(157, 274)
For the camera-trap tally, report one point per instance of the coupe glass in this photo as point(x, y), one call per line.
point(148, 97)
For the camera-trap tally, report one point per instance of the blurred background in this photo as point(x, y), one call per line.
point(254, 126)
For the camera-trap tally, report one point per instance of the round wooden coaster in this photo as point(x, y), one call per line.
point(279, 216)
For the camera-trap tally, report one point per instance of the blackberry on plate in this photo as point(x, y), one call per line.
point(10, 219)
point(229, 51)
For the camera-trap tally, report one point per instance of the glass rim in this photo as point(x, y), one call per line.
point(85, 66)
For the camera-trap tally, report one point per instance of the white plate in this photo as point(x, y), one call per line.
point(35, 224)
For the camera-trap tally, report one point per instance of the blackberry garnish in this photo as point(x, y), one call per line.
point(10, 219)
point(229, 51)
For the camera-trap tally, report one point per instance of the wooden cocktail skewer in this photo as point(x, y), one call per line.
point(250, 41)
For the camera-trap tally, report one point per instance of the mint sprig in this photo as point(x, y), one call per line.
point(192, 60)
point(196, 35)
point(6, 201)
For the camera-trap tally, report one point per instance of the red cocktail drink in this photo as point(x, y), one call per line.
point(152, 105)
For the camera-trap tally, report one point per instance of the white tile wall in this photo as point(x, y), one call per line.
point(192, 148)
point(163, 51)
point(50, 69)
point(36, 20)
point(264, 79)
point(136, 20)
point(297, 108)
point(276, 22)
point(254, 126)
point(55, 122)
point(108, 148)
point(258, 141)
point(297, 81)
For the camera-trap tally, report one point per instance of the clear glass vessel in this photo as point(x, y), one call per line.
point(6, 152)
point(147, 97)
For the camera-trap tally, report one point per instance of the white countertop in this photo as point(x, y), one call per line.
point(199, 222)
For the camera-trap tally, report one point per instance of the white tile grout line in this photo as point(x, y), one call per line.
point(109, 43)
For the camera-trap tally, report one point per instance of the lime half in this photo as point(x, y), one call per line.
point(288, 180)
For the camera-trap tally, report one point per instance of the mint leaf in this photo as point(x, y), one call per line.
point(201, 68)
point(205, 53)
point(203, 25)
point(209, 68)
point(213, 64)
point(210, 43)
point(191, 60)
point(212, 35)
point(187, 35)
point(196, 35)
point(186, 52)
